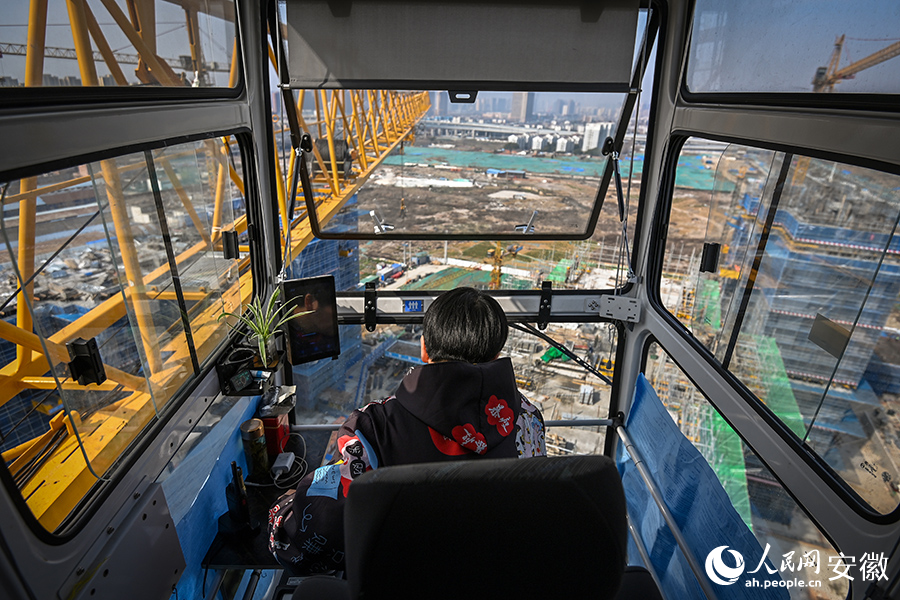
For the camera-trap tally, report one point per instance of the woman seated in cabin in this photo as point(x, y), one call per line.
point(462, 404)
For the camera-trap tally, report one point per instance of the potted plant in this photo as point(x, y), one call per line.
point(264, 320)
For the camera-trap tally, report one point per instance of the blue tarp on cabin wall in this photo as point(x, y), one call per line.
point(195, 492)
point(698, 503)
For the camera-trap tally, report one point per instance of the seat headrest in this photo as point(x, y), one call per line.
point(541, 527)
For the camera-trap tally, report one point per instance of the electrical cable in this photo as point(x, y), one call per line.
point(299, 462)
point(4, 233)
point(33, 466)
point(295, 478)
point(289, 185)
point(297, 471)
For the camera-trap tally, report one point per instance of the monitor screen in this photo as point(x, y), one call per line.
point(313, 332)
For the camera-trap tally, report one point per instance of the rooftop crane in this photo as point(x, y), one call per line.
point(826, 77)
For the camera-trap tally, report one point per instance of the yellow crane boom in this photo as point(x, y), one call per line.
point(827, 77)
point(51, 469)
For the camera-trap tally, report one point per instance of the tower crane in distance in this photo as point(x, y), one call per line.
point(826, 77)
point(496, 256)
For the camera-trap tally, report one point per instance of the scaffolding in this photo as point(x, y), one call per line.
point(560, 271)
point(705, 428)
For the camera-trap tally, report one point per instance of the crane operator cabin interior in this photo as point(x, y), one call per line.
point(225, 224)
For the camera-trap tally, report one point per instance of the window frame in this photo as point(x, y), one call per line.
point(834, 100)
point(31, 98)
point(654, 31)
point(658, 251)
point(93, 500)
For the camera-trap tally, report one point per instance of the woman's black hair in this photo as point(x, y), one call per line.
point(465, 325)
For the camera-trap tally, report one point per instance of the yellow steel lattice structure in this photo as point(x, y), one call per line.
point(57, 468)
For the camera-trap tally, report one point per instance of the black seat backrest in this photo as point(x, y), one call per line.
point(504, 528)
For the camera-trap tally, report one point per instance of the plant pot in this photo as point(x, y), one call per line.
point(273, 351)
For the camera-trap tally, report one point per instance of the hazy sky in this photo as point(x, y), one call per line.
point(172, 37)
point(777, 45)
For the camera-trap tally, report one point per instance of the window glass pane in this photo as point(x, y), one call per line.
point(765, 507)
point(76, 294)
point(118, 43)
point(233, 173)
point(89, 243)
point(416, 163)
point(477, 168)
point(372, 365)
point(197, 199)
point(445, 135)
point(802, 305)
point(833, 47)
point(141, 251)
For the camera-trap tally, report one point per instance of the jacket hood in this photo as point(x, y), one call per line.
point(475, 405)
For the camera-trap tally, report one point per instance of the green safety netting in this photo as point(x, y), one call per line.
point(552, 353)
point(728, 463)
point(778, 396)
point(708, 304)
point(454, 277)
point(559, 272)
point(692, 171)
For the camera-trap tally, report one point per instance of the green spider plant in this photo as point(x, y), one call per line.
point(263, 319)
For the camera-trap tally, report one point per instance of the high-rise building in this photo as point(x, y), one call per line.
point(276, 102)
point(564, 144)
point(522, 107)
point(440, 104)
point(594, 135)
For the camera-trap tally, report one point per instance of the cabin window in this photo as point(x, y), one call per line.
point(833, 48)
point(126, 252)
point(801, 303)
point(505, 161)
point(512, 151)
point(114, 44)
point(328, 390)
point(199, 194)
point(470, 173)
point(759, 499)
